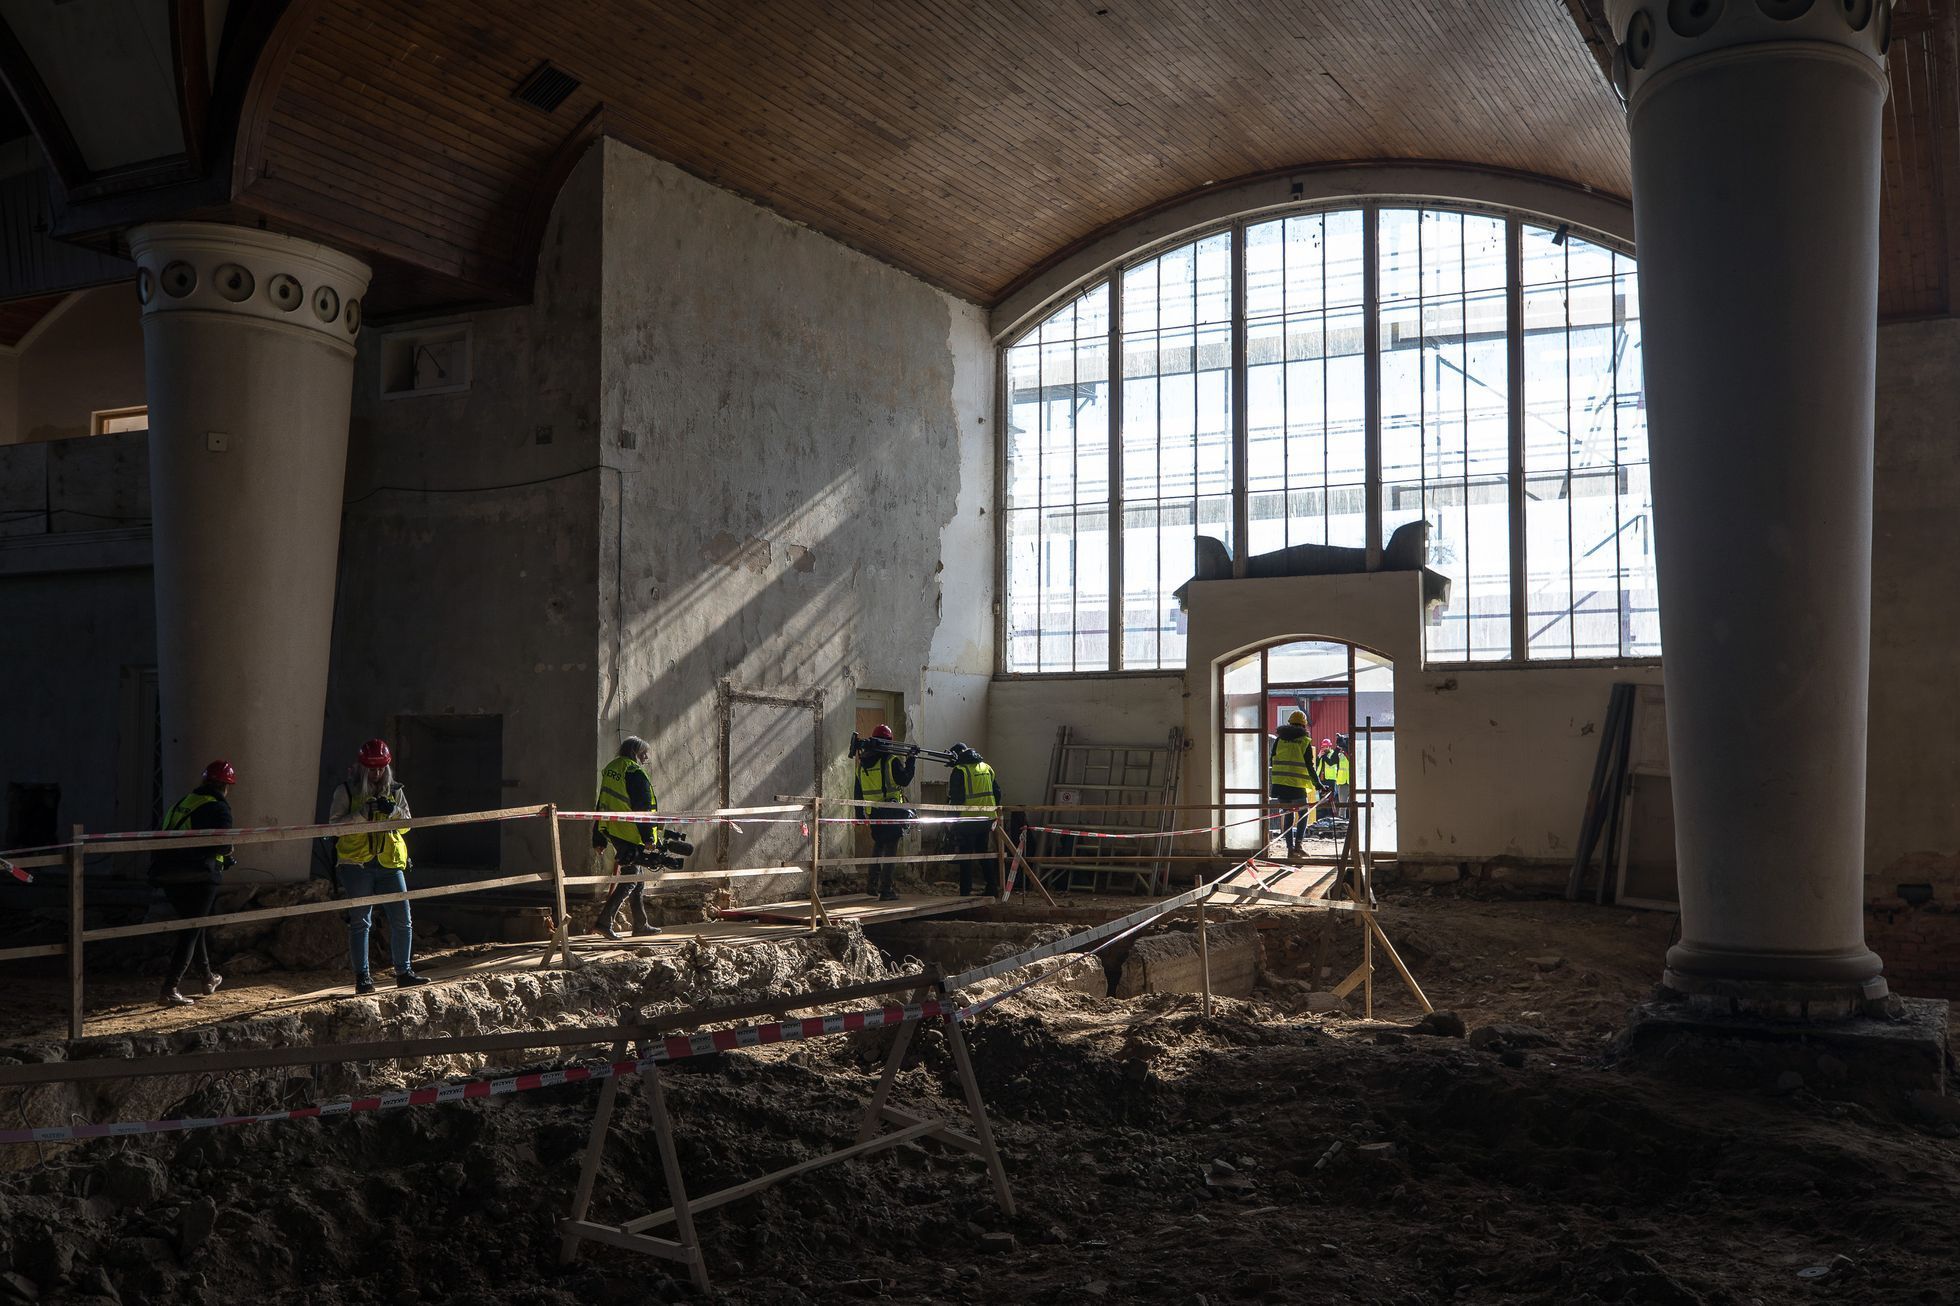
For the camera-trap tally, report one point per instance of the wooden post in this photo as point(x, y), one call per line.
point(670, 1167)
point(1001, 871)
point(76, 876)
point(560, 941)
point(977, 1108)
point(1367, 968)
point(1204, 946)
point(818, 916)
point(1395, 957)
point(595, 1148)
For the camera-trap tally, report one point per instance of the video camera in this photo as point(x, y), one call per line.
point(867, 746)
point(669, 854)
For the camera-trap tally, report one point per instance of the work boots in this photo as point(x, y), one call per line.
point(608, 918)
point(641, 925)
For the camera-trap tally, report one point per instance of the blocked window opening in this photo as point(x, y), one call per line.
point(453, 764)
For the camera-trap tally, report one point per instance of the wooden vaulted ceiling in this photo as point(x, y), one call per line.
point(967, 143)
point(971, 144)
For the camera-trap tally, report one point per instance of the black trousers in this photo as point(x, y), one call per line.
point(1290, 822)
point(625, 852)
point(189, 900)
point(884, 843)
point(971, 837)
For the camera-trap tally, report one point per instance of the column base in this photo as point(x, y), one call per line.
point(1882, 1060)
point(1777, 986)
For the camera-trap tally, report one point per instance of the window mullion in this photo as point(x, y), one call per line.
point(1371, 355)
point(1115, 370)
point(1514, 374)
point(1236, 396)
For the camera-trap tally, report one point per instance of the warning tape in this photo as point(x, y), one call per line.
point(677, 1047)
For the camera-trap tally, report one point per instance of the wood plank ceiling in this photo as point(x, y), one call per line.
point(968, 144)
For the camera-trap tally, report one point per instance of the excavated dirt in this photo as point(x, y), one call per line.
point(1262, 1154)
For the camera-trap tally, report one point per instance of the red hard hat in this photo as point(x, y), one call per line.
point(1326, 743)
point(374, 754)
point(221, 772)
point(881, 732)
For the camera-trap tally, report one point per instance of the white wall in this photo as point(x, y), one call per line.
point(1023, 714)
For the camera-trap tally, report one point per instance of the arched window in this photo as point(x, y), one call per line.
point(1323, 378)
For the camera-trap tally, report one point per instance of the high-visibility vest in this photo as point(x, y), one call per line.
point(180, 815)
point(1341, 770)
point(613, 798)
point(1292, 766)
point(388, 847)
point(875, 783)
point(980, 791)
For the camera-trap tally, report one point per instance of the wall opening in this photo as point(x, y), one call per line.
point(33, 814)
point(453, 764)
point(1348, 694)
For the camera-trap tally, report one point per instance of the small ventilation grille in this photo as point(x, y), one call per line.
point(546, 88)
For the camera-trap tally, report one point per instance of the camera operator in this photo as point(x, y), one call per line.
point(882, 774)
point(626, 786)
point(374, 863)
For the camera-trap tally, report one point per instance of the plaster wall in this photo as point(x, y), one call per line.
point(468, 576)
point(1912, 806)
point(85, 357)
point(800, 448)
point(1023, 713)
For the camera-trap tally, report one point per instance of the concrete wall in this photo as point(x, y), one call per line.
point(84, 357)
point(469, 549)
point(1912, 803)
point(803, 446)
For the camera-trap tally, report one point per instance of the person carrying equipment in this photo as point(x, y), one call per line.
point(882, 775)
point(1290, 778)
point(626, 786)
point(1336, 773)
point(190, 878)
point(974, 785)
point(374, 863)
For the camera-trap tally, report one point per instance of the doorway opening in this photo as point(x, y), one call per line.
point(1348, 695)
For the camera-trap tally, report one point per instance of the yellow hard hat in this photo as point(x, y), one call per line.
point(1296, 717)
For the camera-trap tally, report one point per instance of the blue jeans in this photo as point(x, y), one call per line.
point(365, 881)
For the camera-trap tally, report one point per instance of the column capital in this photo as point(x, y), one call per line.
point(213, 267)
point(1654, 36)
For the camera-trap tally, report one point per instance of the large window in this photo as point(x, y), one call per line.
point(1325, 378)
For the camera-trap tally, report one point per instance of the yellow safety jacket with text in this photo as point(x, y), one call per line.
point(875, 783)
point(389, 848)
point(613, 798)
point(1340, 772)
point(980, 790)
point(1292, 764)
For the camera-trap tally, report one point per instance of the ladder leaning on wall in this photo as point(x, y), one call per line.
point(1096, 783)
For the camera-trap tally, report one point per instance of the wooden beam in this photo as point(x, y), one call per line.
point(405, 1049)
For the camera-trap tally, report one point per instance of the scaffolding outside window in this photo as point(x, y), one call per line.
point(1507, 411)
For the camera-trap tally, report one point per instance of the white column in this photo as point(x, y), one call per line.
point(248, 342)
point(1756, 130)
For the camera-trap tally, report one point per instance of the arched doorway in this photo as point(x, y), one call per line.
point(1345, 690)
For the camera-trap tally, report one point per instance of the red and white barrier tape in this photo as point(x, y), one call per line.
point(676, 1048)
point(15, 871)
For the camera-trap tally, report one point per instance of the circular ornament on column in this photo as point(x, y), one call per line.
point(1784, 10)
point(1640, 40)
point(284, 291)
point(233, 282)
point(326, 303)
point(178, 279)
point(353, 316)
point(1693, 17)
point(1857, 13)
point(146, 286)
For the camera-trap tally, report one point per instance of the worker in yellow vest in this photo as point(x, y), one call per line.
point(374, 862)
point(1290, 779)
point(882, 774)
point(1336, 774)
point(973, 785)
point(190, 878)
point(625, 786)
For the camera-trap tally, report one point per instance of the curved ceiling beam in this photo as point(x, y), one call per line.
point(1033, 295)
